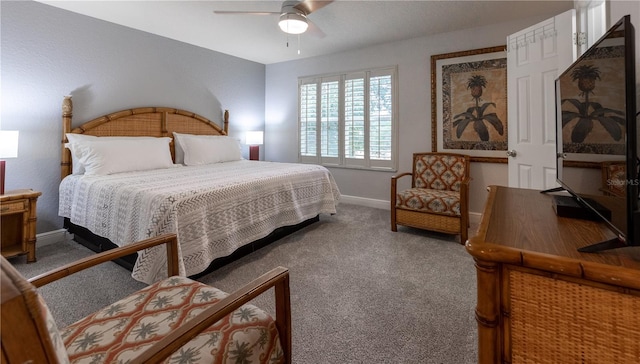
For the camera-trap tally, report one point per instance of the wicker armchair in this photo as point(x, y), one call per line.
point(614, 178)
point(176, 319)
point(438, 199)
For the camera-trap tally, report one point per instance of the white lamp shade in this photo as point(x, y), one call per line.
point(254, 137)
point(8, 144)
point(293, 23)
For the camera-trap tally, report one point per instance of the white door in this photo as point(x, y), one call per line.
point(535, 58)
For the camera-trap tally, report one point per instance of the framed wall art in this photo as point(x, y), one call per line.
point(469, 103)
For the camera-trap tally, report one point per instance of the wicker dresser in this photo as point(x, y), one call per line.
point(542, 301)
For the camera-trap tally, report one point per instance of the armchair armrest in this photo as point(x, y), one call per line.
point(171, 241)
point(394, 188)
point(396, 177)
point(277, 278)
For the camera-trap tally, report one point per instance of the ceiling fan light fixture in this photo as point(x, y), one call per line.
point(293, 23)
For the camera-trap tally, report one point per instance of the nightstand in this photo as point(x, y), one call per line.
point(18, 223)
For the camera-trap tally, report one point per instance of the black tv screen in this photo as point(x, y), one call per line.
point(597, 135)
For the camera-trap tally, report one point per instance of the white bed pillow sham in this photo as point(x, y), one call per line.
point(102, 157)
point(73, 138)
point(193, 150)
point(77, 167)
point(178, 140)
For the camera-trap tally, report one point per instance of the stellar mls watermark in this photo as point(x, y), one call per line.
point(623, 182)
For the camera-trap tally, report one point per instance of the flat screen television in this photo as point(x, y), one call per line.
point(597, 128)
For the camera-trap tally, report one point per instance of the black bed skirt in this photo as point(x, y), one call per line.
point(99, 244)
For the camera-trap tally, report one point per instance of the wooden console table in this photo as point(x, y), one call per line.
point(542, 301)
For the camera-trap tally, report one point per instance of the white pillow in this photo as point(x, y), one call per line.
point(73, 138)
point(210, 149)
point(77, 167)
point(177, 146)
point(180, 139)
point(102, 157)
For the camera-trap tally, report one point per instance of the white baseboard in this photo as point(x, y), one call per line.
point(51, 237)
point(367, 202)
point(474, 217)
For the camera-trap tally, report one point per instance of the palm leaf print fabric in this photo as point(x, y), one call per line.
point(124, 329)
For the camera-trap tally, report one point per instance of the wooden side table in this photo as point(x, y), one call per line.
point(18, 223)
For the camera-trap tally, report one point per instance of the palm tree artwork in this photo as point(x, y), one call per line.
point(477, 115)
point(587, 112)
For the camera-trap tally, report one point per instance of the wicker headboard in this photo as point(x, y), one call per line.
point(143, 121)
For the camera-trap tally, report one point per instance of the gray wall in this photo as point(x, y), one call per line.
point(47, 53)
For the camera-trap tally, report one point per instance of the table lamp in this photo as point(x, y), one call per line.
point(8, 149)
point(254, 139)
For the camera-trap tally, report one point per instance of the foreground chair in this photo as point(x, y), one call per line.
point(438, 199)
point(177, 318)
point(614, 178)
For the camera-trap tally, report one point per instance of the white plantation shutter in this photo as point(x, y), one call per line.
point(307, 119)
point(355, 115)
point(329, 119)
point(380, 118)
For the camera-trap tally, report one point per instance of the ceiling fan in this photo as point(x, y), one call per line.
point(293, 15)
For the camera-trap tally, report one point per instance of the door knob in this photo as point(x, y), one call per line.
point(511, 153)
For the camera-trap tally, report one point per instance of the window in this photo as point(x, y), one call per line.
point(349, 119)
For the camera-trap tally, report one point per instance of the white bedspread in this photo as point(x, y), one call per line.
point(214, 209)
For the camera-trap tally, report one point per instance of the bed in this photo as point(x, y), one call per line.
point(215, 208)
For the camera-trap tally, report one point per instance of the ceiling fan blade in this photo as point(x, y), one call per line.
point(309, 6)
point(306, 7)
point(315, 30)
point(239, 12)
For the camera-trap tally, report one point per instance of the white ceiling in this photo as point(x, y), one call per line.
point(346, 24)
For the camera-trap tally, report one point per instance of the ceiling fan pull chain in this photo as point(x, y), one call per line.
point(298, 44)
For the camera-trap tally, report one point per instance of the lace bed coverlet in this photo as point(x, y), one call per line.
point(214, 209)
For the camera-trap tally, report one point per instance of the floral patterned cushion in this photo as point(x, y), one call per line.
point(439, 172)
point(118, 332)
point(56, 340)
point(435, 201)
